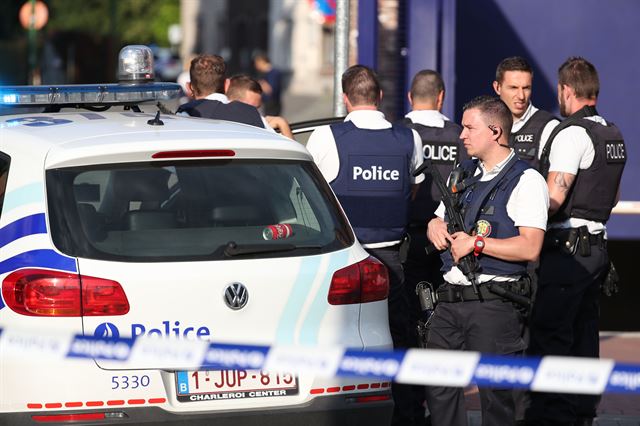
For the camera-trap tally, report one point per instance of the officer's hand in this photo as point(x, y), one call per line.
point(461, 245)
point(437, 233)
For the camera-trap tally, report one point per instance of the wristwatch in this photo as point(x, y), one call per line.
point(478, 245)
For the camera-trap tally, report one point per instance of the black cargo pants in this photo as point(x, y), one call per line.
point(492, 326)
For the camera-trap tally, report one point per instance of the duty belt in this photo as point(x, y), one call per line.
point(450, 293)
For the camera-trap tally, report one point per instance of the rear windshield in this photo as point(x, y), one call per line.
point(194, 210)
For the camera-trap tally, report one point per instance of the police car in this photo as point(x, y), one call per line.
point(123, 224)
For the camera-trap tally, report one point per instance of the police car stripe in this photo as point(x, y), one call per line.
point(415, 366)
point(307, 271)
point(29, 225)
point(28, 194)
point(43, 258)
point(319, 306)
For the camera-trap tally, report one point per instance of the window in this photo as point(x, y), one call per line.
point(190, 210)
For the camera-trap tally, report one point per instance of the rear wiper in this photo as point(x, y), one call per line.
point(232, 249)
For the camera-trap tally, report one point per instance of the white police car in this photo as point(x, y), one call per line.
point(127, 224)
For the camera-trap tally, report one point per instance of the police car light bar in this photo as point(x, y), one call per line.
point(93, 94)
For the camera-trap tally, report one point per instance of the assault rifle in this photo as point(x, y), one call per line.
point(467, 264)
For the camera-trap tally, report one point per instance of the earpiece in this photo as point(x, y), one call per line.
point(493, 129)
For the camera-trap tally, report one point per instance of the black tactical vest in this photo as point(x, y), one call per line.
point(441, 145)
point(593, 193)
point(527, 140)
point(233, 111)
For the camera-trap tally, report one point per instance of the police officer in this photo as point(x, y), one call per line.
point(207, 87)
point(245, 89)
point(530, 131)
point(441, 145)
point(583, 163)
point(507, 209)
point(531, 126)
point(368, 163)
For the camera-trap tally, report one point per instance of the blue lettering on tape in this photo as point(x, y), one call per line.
point(508, 371)
point(224, 357)
point(370, 364)
point(625, 378)
point(91, 347)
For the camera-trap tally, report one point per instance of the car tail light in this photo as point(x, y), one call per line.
point(102, 297)
point(365, 281)
point(39, 292)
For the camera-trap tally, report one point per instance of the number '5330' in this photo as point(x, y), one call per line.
point(129, 382)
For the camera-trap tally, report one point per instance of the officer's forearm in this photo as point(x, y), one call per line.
point(522, 248)
point(559, 184)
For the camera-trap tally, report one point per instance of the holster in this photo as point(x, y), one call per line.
point(426, 296)
point(403, 250)
point(572, 240)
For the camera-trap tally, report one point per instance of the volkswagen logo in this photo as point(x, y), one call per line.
point(236, 296)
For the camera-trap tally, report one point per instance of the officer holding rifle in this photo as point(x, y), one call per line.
point(503, 203)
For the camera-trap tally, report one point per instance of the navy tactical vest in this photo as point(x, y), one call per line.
point(526, 141)
point(484, 207)
point(441, 145)
point(233, 111)
point(374, 180)
point(593, 193)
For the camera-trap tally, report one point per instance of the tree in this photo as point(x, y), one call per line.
point(131, 21)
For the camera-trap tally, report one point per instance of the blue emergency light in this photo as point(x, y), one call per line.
point(96, 94)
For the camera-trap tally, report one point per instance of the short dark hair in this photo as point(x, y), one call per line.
point(207, 74)
point(494, 110)
point(241, 83)
point(261, 56)
point(580, 74)
point(512, 63)
point(426, 84)
point(361, 85)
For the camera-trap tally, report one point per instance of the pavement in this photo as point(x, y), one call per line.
point(614, 409)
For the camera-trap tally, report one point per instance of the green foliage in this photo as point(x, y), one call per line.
point(131, 21)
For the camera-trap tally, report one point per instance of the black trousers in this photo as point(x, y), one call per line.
point(398, 304)
point(565, 322)
point(493, 326)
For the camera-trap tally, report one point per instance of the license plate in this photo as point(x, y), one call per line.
point(212, 385)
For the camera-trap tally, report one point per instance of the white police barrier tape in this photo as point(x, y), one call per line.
point(414, 366)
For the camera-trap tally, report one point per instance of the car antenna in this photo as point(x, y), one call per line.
point(156, 121)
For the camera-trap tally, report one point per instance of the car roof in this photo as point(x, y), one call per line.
point(82, 137)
